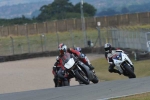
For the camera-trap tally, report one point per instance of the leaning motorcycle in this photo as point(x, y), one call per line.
point(61, 82)
point(124, 64)
point(78, 69)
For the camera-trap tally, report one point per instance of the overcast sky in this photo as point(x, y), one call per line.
point(13, 2)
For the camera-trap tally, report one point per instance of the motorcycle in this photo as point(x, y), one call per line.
point(124, 64)
point(78, 69)
point(61, 82)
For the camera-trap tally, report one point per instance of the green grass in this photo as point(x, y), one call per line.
point(144, 96)
point(142, 69)
point(49, 42)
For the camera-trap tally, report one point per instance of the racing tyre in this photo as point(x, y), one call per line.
point(65, 83)
point(130, 72)
point(95, 79)
point(82, 77)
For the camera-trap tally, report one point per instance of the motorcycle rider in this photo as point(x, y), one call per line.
point(59, 71)
point(58, 68)
point(86, 58)
point(109, 53)
point(80, 50)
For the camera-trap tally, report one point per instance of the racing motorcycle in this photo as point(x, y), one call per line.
point(78, 69)
point(61, 82)
point(124, 64)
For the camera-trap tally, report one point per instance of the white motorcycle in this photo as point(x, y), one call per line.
point(124, 64)
point(78, 69)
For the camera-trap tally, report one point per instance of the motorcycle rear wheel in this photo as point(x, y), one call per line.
point(95, 80)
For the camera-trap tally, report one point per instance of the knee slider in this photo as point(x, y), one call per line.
point(110, 70)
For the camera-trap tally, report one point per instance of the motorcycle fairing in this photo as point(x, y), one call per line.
point(119, 59)
point(70, 63)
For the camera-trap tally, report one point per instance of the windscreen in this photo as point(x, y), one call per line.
point(66, 57)
point(117, 56)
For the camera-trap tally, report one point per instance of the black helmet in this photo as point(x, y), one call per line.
point(107, 47)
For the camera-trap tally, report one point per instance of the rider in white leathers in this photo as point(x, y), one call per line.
point(109, 53)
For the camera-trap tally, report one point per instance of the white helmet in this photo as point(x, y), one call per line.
point(78, 49)
point(107, 47)
point(62, 48)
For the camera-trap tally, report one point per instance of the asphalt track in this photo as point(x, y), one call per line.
point(101, 91)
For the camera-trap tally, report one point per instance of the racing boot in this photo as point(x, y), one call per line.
point(119, 73)
point(116, 71)
point(55, 82)
point(88, 63)
point(90, 66)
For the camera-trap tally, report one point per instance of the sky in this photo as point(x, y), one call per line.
point(14, 2)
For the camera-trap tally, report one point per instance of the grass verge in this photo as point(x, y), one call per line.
point(143, 96)
point(142, 69)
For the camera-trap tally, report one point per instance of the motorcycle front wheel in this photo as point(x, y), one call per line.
point(82, 77)
point(66, 83)
point(130, 72)
point(61, 83)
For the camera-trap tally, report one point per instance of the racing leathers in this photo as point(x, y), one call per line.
point(59, 70)
point(110, 60)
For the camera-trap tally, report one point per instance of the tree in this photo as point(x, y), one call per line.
point(57, 10)
point(46, 12)
point(63, 9)
point(87, 8)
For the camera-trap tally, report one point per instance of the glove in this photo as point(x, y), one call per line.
point(82, 55)
point(57, 58)
point(54, 68)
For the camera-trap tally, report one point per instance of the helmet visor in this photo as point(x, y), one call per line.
point(60, 48)
point(107, 49)
point(61, 51)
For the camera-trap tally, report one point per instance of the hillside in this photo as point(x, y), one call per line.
point(27, 9)
point(15, 2)
point(11, 9)
point(101, 4)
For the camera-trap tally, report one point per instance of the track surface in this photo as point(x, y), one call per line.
point(30, 74)
point(100, 91)
point(32, 80)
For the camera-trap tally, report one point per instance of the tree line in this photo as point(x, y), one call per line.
point(57, 10)
point(64, 9)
